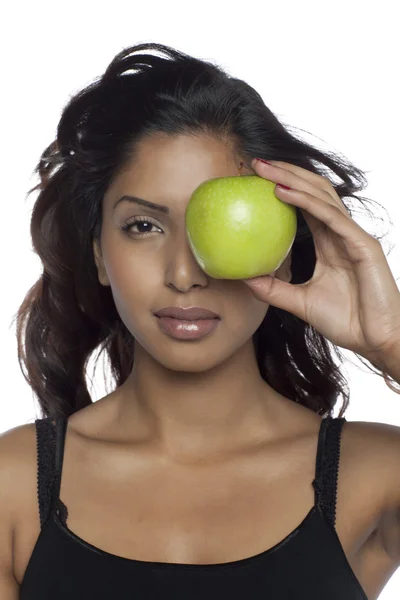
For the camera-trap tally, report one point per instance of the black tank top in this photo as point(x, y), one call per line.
point(309, 563)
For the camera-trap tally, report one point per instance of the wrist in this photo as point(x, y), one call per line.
point(388, 361)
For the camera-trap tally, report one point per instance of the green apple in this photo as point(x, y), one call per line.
point(238, 228)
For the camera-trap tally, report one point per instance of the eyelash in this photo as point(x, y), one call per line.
point(128, 224)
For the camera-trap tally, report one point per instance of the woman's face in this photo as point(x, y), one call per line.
point(157, 269)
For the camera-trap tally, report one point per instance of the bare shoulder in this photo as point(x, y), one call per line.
point(17, 470)
point(16, 445)
point(375, 448)
point(379, 446)
point(18, 463)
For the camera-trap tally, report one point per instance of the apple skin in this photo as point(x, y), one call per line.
point(238, 228)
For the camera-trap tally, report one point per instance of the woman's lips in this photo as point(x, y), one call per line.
point(187, 330)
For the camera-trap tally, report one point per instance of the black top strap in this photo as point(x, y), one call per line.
point(50, 454)
point(327, 466)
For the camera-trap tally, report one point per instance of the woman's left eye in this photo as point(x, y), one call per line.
point(141, 222)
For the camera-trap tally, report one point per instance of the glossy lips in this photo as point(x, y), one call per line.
point(187, 324)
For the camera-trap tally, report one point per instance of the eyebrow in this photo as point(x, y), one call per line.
point(159, 207)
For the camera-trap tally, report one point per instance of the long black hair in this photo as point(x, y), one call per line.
point(67, 314)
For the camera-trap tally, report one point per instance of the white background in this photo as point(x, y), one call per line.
point(330, 69)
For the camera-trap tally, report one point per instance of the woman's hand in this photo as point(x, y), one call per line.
point(352, 298)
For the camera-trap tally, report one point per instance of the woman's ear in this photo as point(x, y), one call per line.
point(98, 259)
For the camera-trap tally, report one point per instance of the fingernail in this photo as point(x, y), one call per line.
point(264, 161)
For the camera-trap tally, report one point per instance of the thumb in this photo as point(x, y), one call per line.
point(276, 292)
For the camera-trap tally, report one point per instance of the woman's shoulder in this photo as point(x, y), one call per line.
point(377, 448)
point(18, 466)
point(373, 460)
point(16, 445)
point(18, 459)
point(17, 477)
point(379, 443)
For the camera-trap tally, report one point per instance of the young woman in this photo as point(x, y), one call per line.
point(211, 470)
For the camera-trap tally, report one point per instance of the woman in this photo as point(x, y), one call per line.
point(211, 470)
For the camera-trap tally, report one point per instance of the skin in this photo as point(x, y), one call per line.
point(191, 400)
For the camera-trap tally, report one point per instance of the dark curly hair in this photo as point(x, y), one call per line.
point(67, 313)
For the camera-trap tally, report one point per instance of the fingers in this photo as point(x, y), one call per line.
point(300, 179)
point(360, 245)
point(279, 293)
